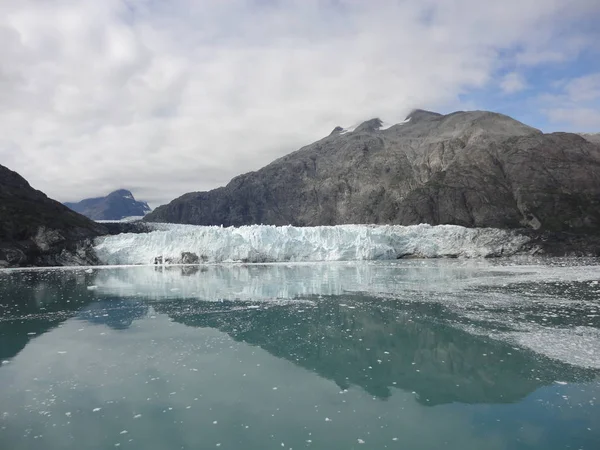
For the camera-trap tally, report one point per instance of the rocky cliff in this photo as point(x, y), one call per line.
point(38, 231)
point(476, 169)
point(115, 206)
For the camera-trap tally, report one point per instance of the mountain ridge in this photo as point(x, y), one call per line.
point(36, 230)
point(470, 168)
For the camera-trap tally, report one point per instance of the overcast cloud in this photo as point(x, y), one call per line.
point(167, 97)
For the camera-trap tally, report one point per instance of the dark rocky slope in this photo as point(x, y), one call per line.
point(115, 206)
point(476, 169)
point(38, 231)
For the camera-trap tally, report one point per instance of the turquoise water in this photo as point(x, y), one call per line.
point(408, 355)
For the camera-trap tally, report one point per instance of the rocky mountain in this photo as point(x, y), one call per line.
point(38, 231)
point(115, 206)
point(476, 169)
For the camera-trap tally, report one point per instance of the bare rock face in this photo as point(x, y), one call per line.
point(38, 231)
point(476, 169)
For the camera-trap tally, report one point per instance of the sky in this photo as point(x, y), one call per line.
point(164, 97)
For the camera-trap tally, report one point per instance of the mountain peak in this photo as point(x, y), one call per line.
point(122, 193)
point(336, 130)
point(370, 125)
point(117, 205)
point(421, 114)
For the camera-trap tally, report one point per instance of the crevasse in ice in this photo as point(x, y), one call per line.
point(265, 243)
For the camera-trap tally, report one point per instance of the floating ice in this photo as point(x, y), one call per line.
point(263, 243)
point(579, 346)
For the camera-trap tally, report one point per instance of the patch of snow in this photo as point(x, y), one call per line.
point(265, 243)
point(350, 129)
point(386, 125)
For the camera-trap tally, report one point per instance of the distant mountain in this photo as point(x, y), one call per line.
point(36, 230)
point(476, 169)
point(115, 206)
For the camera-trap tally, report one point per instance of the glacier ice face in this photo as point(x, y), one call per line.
point(265, 243)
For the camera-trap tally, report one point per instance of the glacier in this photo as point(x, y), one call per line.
point(266, 243)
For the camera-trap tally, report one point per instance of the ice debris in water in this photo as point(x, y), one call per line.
point(171, 243)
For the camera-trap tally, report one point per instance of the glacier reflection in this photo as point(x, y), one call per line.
point(421, 326)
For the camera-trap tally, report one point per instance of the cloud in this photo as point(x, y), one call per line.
point(576, 103)
point(169, 97)
point(513, 82)
point(581, 118)
point(584, 89)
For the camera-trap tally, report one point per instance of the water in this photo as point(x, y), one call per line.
point(414, 354)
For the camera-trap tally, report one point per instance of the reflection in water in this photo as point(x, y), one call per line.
point(415, 355)
point(359, 340)
point(374, 326)
point(38, 301)
point(114, 312)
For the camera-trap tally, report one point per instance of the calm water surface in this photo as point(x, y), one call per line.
point(405, 355)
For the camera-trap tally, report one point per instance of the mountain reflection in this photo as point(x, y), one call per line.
point(114, 312)
point(34, 302)
point(348, 323)
point(378, 348)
